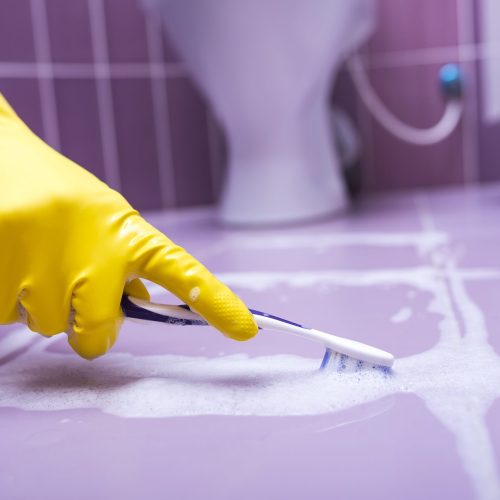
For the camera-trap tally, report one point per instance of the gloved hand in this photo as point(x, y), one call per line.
point(69, 245)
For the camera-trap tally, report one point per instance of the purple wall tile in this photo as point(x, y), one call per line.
point(190, 146)
point(79, 129)
point(488, 135)
point(126, 30)
point(16, 36)
point(489, 152)
point(23, 95)
point(414, 24)
point(197, 144)
point(69, 31)
point(218, 153)
point(476, 8)
point(169, 49)
point(165, 51)
point(412, 93)
point(403, 166)
point(137, 152)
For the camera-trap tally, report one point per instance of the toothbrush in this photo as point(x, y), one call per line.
point(338, 349)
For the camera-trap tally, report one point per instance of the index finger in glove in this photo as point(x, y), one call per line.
point(170, 266)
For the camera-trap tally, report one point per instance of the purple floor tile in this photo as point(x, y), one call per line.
point(292, 457)
point(493, 419)
point(427, 430)
point(79, 126)
point(485, 292)
point(471, 213)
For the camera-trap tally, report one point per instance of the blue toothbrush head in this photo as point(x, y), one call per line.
point(342, 363)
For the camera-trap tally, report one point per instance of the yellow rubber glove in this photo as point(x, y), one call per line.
point(69, 245)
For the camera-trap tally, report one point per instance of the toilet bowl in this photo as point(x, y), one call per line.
point(267, 69)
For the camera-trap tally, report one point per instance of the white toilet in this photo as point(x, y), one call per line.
point(267, 68)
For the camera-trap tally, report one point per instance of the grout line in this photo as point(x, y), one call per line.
point(465, 28)
point(43, 71)
point(92, 70)
point(161, 114)
point(413, 57)
point(466, 51)
point(424, 212)
point(104, 93)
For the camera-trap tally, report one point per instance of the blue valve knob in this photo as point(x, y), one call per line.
point(451, 81)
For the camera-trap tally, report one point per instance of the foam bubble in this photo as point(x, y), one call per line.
point(404, 314)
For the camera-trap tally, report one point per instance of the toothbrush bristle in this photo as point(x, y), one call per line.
point(326, 359)
point(342, 363)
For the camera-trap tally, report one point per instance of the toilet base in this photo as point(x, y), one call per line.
point(283, 166)
point(281, 194)
point(267, 69)
point(228, 217)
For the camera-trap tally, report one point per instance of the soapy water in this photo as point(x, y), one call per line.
point(128, 385)
point(422, 242)
point(404, 314)
point(458, 378)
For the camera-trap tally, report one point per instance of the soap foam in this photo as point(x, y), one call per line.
point(167, 385)
point(404, 314)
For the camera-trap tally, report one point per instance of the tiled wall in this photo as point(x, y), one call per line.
point(99, 82)
point(414, 39)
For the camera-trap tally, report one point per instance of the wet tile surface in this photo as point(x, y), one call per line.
point(186, 413)
point(294, 454)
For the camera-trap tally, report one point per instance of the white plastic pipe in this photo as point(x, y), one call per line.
point(414, 135)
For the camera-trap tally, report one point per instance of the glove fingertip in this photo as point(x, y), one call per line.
point(227, 312)
point(91, 344)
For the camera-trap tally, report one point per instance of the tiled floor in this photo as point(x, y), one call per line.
point(182, 412)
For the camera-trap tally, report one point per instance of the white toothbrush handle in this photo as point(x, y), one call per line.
point(342, 345)
point(142, 309)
